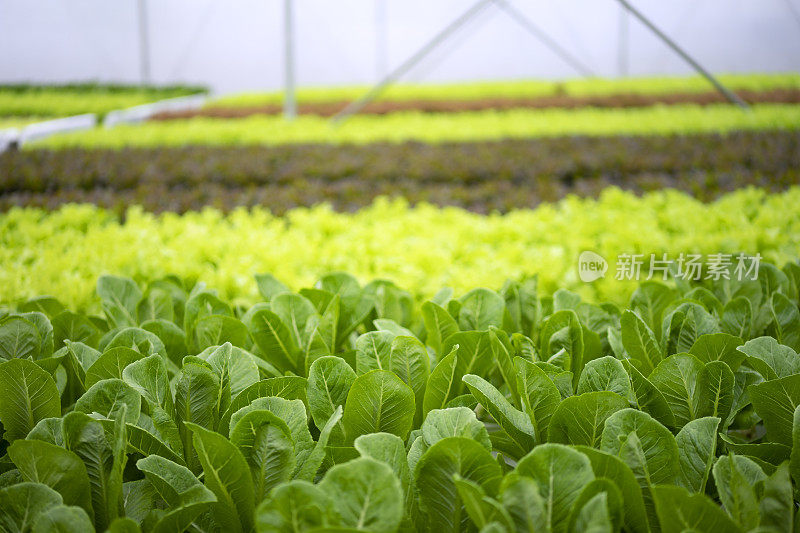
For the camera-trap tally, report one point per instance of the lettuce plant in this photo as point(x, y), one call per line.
point(479, 176)
point(466, 126)
point(421, 248)
point(344, 407)
point(47, 101)
point(522, 88)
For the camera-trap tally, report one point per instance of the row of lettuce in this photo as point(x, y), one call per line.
point(435, 127)
point(25, 100)
point(479, 176)
point(579, 87)
point(422, 247)
point(49, 101)
point(344, 407)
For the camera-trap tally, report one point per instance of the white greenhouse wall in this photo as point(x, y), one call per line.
point(235, 45)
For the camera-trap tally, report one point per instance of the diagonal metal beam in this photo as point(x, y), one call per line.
point(540, 34)
point(730, 95)
point(357, 105)
point(188, 49)
point(795, 12)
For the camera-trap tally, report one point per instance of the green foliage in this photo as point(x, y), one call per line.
point(75, 99)
point(434, 127)
point(522, 88)
point(481, 176)
point(350, 408)
point(29, 395)
point(55, 253)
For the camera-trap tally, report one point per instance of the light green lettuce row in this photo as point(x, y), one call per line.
point(422, 248)
point(60, 101)
point(437, 127)
point(524, 88)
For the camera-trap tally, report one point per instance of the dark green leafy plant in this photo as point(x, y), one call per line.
point(347, 408)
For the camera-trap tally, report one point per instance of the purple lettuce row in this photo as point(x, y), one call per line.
point(483, 176)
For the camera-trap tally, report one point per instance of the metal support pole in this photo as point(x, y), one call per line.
point(731, 96)
point(624, 37)
point(289, 101)
point(548, 41)
point(144, 42)
point(358, 105)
